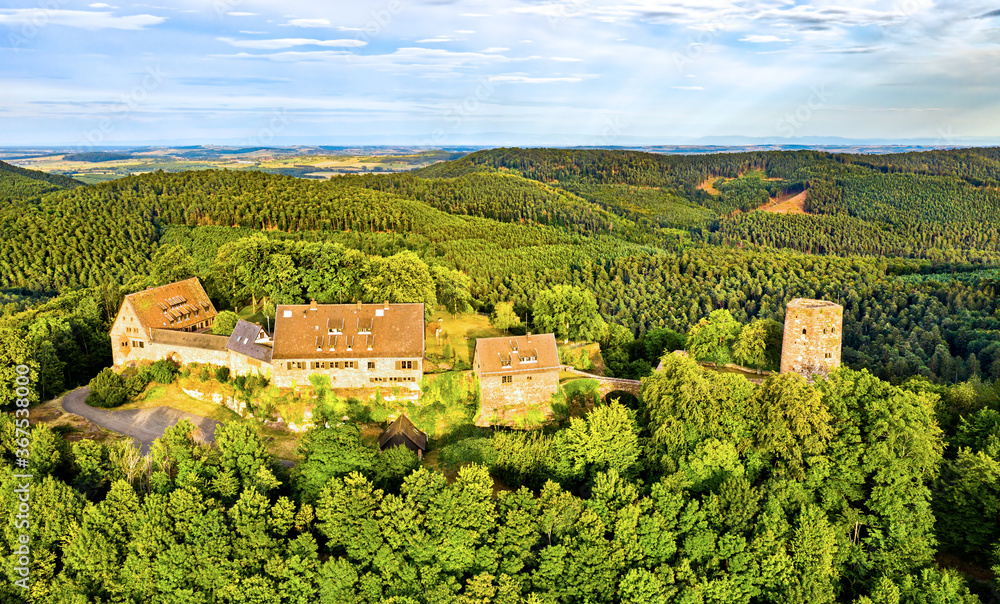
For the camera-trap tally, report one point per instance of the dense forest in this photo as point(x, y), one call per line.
point(711, 490)
point(865, 488)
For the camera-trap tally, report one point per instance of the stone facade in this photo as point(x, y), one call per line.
point(243, 365)
point(371, 373)
point(515, 374)
point(502, 400)
point(812, 339)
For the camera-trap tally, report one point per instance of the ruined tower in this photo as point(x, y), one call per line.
point(812, 338)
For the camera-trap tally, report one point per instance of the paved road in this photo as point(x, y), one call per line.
point(143, 425)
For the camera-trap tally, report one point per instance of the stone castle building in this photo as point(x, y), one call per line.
point(514, 373)
point(355, 345)
point(812, 339)
point(167, 322)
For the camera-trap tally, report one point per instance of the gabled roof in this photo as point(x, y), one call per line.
point(189, 339)
point(517, 353)
point(326, 331)
point(157, 306)
point(403, 427)
point(243, 340)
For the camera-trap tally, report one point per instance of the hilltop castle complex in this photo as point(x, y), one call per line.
point(359, 346)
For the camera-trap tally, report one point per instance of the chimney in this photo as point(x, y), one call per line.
point(529, 336)
point(359, 306)
point(387, 305)
point(312, 304)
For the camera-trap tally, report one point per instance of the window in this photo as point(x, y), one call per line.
point(507, 379)
point(371, 364)
point(828, 355)
point(125, 344)
point(350, 364)
point(296, 365)
point(287, 314)
point(527, 379)
point(803, 331)
point(833, 330)
point(404, 364)
point(319, 364)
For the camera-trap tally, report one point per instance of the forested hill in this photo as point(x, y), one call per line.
point(939, 205)
point(57, 181)
point(514, 237)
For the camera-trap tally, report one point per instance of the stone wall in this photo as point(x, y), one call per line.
point(500, 402)
point(812, 339)
point(240, 364)
point(152, 351)
point(360, 377)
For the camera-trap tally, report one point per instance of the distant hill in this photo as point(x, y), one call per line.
point(19, 183)
point(63, 182)
point(97, 156)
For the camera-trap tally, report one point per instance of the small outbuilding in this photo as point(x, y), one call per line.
point(403, 432)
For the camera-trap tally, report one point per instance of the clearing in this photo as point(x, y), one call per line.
point(709, 184)
point(454, 346)
point(788, 204)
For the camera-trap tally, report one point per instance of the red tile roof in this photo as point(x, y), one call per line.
point(157, 306)
point(325, 331)
point(517, 353)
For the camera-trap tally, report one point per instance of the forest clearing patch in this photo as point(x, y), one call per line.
point(788, 204)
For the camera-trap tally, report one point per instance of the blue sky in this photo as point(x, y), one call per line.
point(442, 72)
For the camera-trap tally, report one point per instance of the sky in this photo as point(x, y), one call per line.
point(484, 72)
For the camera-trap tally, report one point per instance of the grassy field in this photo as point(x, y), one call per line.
point(458, 335)
point(171, 395)
point(298, 162)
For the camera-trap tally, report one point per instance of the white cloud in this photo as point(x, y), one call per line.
point(99, 5)
point(290, 42)
point(310, 23)
point(495, 49)
point(566, 59)
point(475, 15)
point(76, 18)
point(435, 40)
point(516, 79)
point(236, 14)
point(756, 39)
point(688, 87)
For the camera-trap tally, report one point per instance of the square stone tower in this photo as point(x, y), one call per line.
point(812, 339)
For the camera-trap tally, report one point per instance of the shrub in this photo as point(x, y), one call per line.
point(224, 323)
point(392, 466)
point(203, 375)
point(108, 389)
point(222, 374)
point(163, 371)
point(358, 411)
point(136, 383)
point(470, 450)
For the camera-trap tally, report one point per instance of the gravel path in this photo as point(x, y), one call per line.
point(143, 425)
